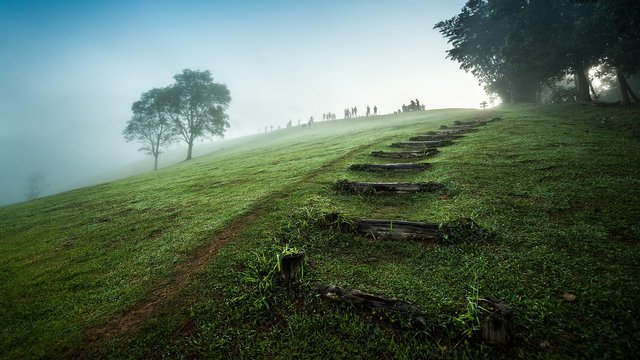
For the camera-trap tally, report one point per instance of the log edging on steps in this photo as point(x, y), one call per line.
point(391, 306)
point(406, 154)
point(391, 187)
point(391, 167)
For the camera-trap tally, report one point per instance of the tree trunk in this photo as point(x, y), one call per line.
point(190, 150)
point(155, 164)
point(593, 91)
point(582, 86)
point(625, 89)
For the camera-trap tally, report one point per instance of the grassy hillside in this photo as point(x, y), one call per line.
point(177, 262)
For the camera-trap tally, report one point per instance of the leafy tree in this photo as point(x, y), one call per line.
point(197, 105)
point(150, 123)
point(492, 40)
point(475, 41)
point(620, 21)
point(514, 47)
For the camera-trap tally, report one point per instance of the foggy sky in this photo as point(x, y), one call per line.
point(70, 70)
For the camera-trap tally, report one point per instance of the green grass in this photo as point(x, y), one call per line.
point(559, 185)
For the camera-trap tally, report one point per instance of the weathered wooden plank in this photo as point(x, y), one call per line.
point(392, 187)
point(391, 167)
point(497, 323)
point(458, 127)
point(422, 144)
point(406, 154)
point(391, 306)
point(399, 230)
point(435, 137)
point(452, 131)
point(471, 123)
point(291, 267)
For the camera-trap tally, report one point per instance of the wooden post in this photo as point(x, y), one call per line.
point(291, 267)
point(497, 321)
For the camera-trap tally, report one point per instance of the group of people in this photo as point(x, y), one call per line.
point(353, 112)
point(349, 113)
point(328, 116)
point(414, 105)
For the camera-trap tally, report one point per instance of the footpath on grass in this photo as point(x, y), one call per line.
point(130, 320)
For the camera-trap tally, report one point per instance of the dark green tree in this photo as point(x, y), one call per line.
point(514, 47)
point(151, 124)
point(197, 106)
point(619, 20)
point(476, 41)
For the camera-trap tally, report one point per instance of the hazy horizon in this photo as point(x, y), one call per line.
point(71, 70)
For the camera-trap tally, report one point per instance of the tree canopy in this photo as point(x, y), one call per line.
point(197, 106)
point(514, 47)
point(150, 123)
point(192, 107)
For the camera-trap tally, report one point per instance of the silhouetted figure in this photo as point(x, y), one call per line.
point(310, 121)
point(324, 117)
point(375, 110)
point(417, 104)
point(355, 111)
point(368, 110)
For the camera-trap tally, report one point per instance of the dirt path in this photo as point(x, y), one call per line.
point(132, 319)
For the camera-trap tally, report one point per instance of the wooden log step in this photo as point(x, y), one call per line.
point(497, 321)
point(452, 131)
point(458, 127)
point(399, 229)
point(390, 306)
point(422, 144)
point(406, 154)
point(435, 137)
point(391, 167)
point(394, 187)
point(470, 123)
